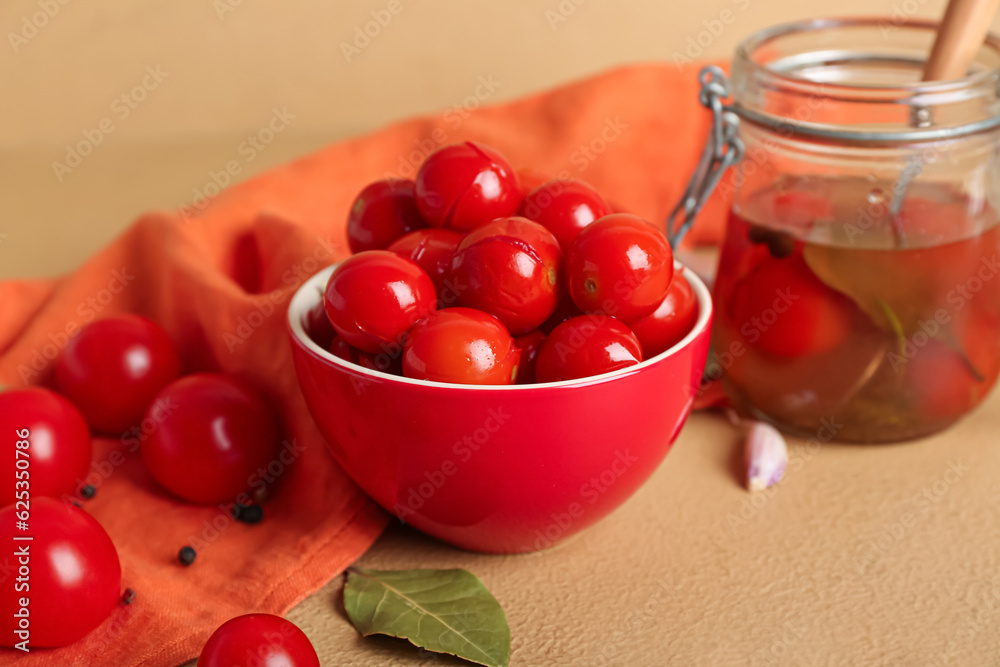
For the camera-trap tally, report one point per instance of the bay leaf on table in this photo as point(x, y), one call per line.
point(445, 611)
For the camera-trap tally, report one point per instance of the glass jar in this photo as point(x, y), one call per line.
point(858, 287)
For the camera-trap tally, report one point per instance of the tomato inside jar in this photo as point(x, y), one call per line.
point(856, 297)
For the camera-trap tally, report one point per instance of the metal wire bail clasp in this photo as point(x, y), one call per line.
point(723, 149)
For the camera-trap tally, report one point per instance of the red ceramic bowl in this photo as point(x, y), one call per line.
point(499, 469)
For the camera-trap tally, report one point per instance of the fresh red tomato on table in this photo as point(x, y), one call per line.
point(262, 640)
point(46, 445)
point(670, 322)
point(463, 346)
point(619, 265)
point(381, 213)
point(564, 207)
point(112, 369)
point(374, 297)
point(74, 576)
point(466, 185)
point(214, 433)
point(510, 268)
point(587, 345)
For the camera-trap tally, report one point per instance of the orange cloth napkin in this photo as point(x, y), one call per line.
point(219, 276)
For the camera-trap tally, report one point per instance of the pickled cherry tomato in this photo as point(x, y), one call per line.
point(374, 297)
point(381, 213)
point(463, 346)
point(783, 309)
point(70, 583)
point(464, 186)
point(564, 207)
point(587, 345)
point(52, 450)
point(390, 361)
point(207, 448)
point(112, 369)
point(318, 327)
point(509, 268)
point(670, 322)
point(529, 344)
point(619, 265)
point(262, 640)
point(432, 250)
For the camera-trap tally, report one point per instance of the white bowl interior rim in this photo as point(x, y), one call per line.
point(310, 292)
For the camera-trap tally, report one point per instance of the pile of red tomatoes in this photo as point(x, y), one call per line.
point(460, 276)
point(203, 437)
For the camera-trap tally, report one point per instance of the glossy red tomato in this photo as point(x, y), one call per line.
point(261, 640)
point(564, 208)
point(670, 322)
point(113, 368)
point(619, 265)
point(318, 326)
point(529, 344)
point(463, 186)
point(46, 446)
point(214, 436)
point(587, 345)
point(71, 577)
point(383, 361)
point(382, 212)
point(432, 250)
point(463, 346)
point(509, 268)
point(374, 297)
point(783, 309)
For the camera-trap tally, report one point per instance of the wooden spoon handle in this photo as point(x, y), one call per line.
point(962, 32)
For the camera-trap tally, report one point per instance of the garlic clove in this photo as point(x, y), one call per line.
point(766, 456)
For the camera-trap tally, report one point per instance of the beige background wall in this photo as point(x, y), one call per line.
point(228, 63)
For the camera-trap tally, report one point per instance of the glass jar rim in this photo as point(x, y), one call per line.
point(922, 95)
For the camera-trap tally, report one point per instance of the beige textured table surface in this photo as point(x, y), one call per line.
point(863, 556)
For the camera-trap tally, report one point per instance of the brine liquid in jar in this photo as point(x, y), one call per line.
point(839, 313)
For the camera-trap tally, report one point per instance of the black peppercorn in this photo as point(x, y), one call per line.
point(128, 597)
point(87, 491)
point(186, 555)
point(248, 513)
